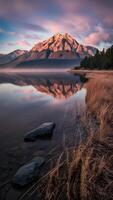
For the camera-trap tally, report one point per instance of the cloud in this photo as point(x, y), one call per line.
point(11, 44)
point(7, 32)
point(21, 34)
point(30, 36)
point(23, 44)
point(95, 38)
point(35, 20)
point(32, 27)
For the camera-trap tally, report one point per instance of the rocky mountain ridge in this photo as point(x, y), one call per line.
point(6, 58)
point(59, 47)
point(64, 44)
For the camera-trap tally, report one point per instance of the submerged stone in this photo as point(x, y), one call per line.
point(44, 129)
point(28, 172)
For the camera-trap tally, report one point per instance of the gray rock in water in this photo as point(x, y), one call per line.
point(45, 129)
point(28, 172)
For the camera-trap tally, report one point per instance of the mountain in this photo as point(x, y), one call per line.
point(58, 90)
point(56, 86)
point(61, 47)
point(6, 58)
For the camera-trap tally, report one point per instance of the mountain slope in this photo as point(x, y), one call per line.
point(6, 58)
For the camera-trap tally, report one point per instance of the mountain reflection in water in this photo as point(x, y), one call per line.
point(28, 100)
point(54, 86)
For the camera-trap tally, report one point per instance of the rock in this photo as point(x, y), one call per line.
point(45, 129)
point(28, 172)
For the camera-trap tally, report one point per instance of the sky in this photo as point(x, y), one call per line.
point(24, 23)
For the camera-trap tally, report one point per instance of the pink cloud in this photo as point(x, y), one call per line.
point(79, 23)
point(23, 43)
point(108, 20)
point(97, 37)
point(77, 17)
point(68, 23)
point(53, 26)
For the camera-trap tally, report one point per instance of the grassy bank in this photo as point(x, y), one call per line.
point(85, 173)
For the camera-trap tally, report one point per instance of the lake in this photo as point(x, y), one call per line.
point(29, 99)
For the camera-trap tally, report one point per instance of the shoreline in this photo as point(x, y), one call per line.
point(86, 73)
point(93, 73)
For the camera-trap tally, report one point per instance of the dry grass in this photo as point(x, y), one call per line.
point(87, 172)
point(99, 102)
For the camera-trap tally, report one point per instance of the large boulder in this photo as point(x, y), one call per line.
point(45, 129)
point(28, 172)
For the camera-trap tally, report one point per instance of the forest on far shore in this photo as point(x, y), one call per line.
point(101, 60)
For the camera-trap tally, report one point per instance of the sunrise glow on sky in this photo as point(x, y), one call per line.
point(26, 22)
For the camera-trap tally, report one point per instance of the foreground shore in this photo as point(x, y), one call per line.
point(84, 172)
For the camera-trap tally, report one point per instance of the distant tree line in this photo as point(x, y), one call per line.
point(101, 60)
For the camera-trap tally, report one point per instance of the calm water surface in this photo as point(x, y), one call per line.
point(26, 101)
